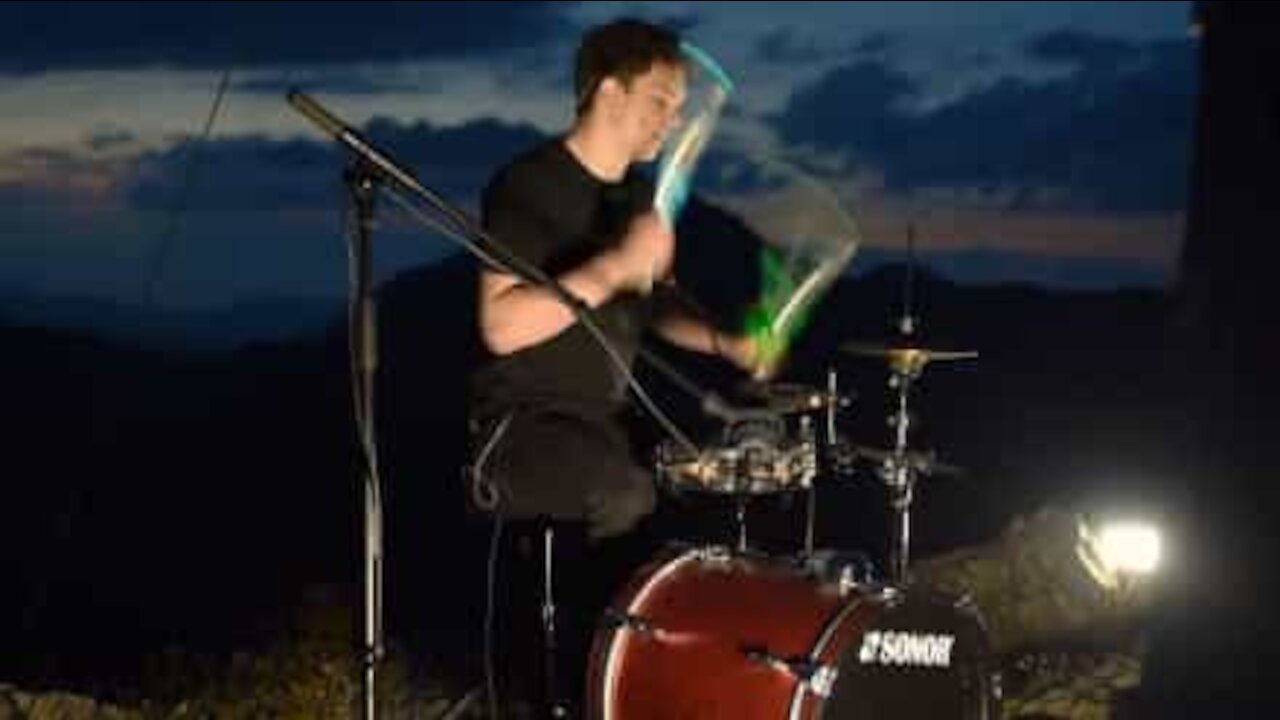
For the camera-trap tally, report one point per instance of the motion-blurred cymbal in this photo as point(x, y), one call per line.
point(905, 358)
point(788, 397)
point(925, 463)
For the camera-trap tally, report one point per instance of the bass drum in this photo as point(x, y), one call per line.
point(708, 633)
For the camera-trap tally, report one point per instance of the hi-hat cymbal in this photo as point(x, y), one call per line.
point(905, 358)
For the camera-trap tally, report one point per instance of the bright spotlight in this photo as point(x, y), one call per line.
point(1130, 547)
point(1119, 552)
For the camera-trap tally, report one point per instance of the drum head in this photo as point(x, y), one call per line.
point(924, 656)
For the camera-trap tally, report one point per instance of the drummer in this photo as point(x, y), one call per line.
point(547, 401)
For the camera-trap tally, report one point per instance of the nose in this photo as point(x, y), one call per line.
point(674, 120)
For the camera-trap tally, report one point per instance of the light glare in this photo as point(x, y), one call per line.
point(1129, 547)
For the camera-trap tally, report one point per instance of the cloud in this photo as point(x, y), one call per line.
point(47, 36)
point(337, 81)
point(110, 139)
point(37, 178)
point(232, 217)
point(256, 173)
point(1114, 133)
point(853, 107)
point(987, 266)
point(784, 47)
point(1077, 48)
point(875, 44)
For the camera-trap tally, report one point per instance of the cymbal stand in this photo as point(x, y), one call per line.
point(740, 519)
point(899, 472)
point(832, 405)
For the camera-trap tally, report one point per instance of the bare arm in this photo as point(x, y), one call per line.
point(514, 315)
point(692, 333)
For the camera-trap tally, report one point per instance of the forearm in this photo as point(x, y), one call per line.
point(690, 333)
point(515, 315)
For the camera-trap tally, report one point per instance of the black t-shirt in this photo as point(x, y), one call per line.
point(551, 211)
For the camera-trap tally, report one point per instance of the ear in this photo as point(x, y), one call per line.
point(610, 88)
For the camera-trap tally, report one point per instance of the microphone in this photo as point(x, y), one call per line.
point(335, 128)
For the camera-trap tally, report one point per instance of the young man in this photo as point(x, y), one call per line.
point(575, 207)
point(548, 400)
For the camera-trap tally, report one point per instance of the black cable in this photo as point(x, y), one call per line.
point(462, 234)
point(491, 684)
point(179, 207)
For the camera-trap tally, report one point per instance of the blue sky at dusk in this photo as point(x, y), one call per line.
point(1039, 142)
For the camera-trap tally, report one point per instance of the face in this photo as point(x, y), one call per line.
point(650, 109)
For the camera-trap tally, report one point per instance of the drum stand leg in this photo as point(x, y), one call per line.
point(740, 521)
point(555, 704)
point(899, 473)
point(809, 512)
point(900, 554)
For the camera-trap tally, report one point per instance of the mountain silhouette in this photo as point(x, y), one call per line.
point(163, 496)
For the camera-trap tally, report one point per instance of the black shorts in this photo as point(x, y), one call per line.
point(568, 465)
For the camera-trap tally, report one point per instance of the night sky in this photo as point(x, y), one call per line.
point(1038, 142)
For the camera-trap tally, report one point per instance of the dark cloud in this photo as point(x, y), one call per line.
point(684, 23)
point(874, 44)
point(336, 81)
point(784, 47)
point(232, 217)
point(52, 177)
point(853, 107)
point(1004, 266)
point(1077, 48)
point(110, 138)
point(1115, 132)
point(43, 36)
point(255, 173)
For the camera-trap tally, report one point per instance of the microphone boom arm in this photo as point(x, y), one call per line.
point(479, 243)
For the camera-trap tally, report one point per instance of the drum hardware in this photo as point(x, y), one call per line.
point(845, 570)
point(920, 462)
point(707, 554)
point(899, 467)
point(617, 620)
point(758, 453)
point(905, 359)
point(792, 398)
point(819, 678)
point(550, 644)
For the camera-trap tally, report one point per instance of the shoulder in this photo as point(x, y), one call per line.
point(526, 172)
point(639, 186)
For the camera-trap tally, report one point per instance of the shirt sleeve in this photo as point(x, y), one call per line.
point(512, 216)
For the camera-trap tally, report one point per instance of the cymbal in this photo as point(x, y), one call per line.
point(925, 463)
point(787, 397)
point(905, 358)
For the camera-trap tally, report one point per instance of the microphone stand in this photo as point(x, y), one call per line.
point(360, 179)
point(372, 168)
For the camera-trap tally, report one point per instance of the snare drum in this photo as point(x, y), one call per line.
point(745, 468)
point(707, 633)
point(757, 454)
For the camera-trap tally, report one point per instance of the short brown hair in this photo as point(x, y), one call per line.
point(622, 49)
